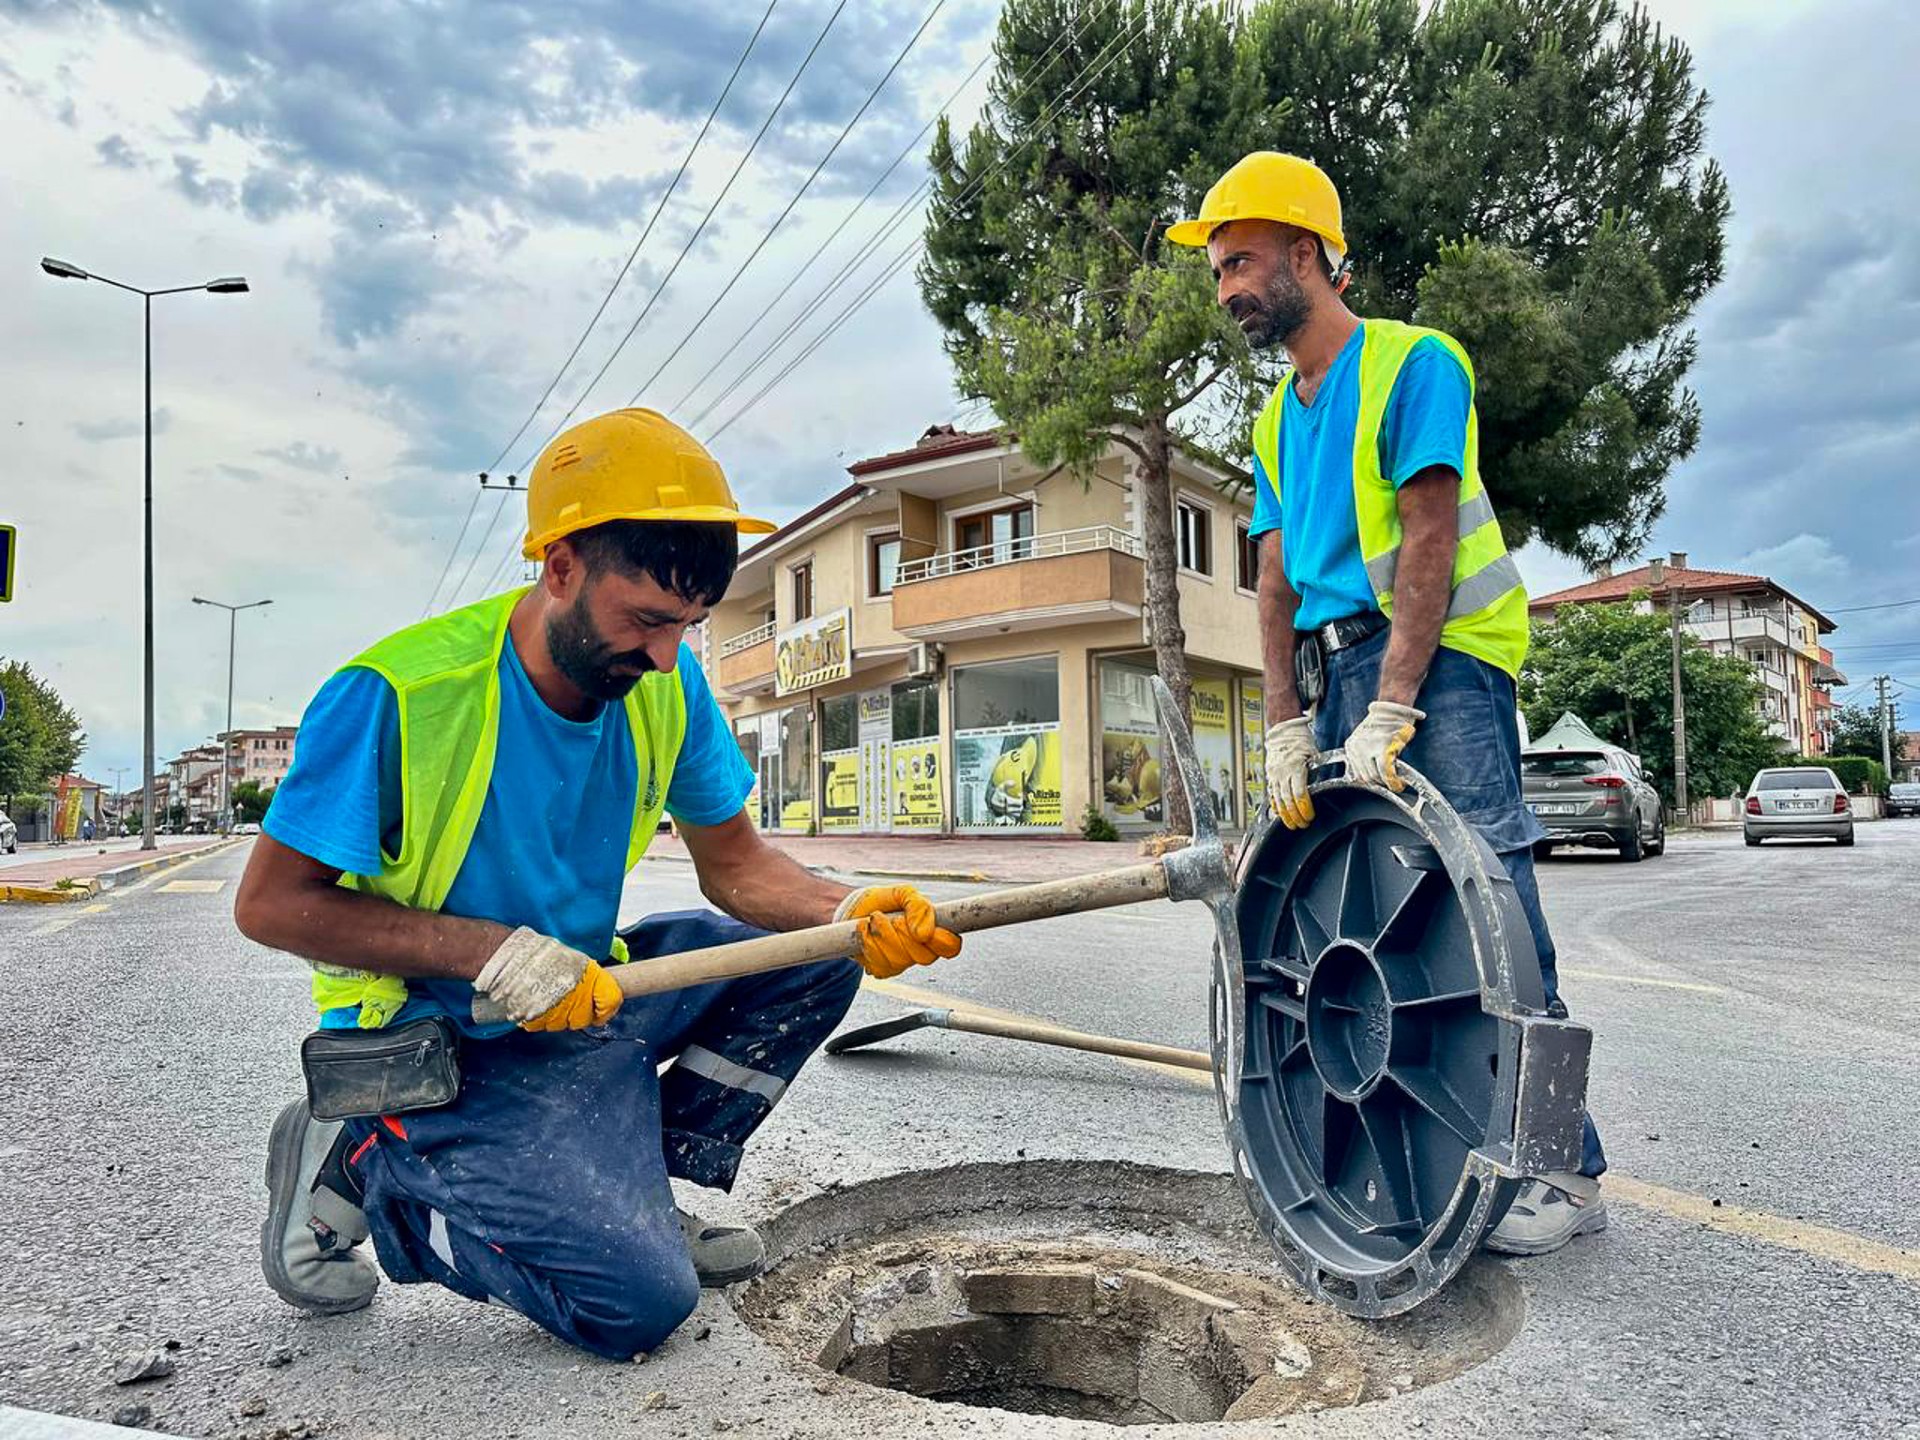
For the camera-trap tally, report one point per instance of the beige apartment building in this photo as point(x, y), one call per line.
point(262, 756)
point(955, 643)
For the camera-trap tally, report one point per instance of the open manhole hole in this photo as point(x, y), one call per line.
point(1114, 1293)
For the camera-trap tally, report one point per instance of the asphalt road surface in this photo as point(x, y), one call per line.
point(1757, 1046)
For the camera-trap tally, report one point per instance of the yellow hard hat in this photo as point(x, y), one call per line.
point(1268, 185)
point(626, 465)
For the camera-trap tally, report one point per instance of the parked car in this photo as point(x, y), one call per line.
point(247, 827)
point(9, 834)
point(1593, 796)
point(1803, 802)
point(1903, 799)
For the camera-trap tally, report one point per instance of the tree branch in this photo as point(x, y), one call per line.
point(1181, 402)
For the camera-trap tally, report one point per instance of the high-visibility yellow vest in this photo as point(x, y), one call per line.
point(1487, 615)
point(446, 675)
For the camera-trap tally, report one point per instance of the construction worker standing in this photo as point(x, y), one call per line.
point(1387, 600)
point(449, 849)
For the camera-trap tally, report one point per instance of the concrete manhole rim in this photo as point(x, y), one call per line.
point(1185, 1229)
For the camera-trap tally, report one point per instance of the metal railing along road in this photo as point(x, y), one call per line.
point(1031, 547)
point(759, 635)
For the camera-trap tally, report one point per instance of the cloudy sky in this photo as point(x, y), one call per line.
point(430, 202)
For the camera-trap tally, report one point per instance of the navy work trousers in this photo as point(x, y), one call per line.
point(1469, 747)
point(544, 1185)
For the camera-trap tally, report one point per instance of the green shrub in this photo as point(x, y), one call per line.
point(1096, 826)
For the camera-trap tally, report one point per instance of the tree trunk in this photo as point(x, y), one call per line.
point(1155, 474)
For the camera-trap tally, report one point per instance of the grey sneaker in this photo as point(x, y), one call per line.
point(307, 1242)
point(1547, 1213)
point(722, 1254)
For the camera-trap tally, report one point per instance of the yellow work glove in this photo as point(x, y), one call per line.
point(1290, 754)
point(897, 929)
point(1377, 741)
point(541, 984)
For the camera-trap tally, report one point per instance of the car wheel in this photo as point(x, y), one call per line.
point(1753, 841)
point(1541, 850)
point(1847, 839)
point(1631, 850)
point(1658, 845)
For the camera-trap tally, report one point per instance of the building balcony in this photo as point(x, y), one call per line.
point(746, 662)
point(1763, 627)
point(1091, 575)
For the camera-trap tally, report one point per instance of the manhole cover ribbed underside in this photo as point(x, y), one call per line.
point(1105, 1292)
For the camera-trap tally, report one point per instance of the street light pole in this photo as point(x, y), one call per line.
point(226, 740)
point(226, 285)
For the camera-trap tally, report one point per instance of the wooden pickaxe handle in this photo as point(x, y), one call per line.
point(1015, 906)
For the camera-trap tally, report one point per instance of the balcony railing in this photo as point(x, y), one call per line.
point(759, 635)
point(1032, 547)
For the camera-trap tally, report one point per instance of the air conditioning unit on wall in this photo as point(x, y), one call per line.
point(923, 661)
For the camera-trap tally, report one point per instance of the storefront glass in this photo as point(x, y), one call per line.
point(796, 768)
point(916, 786)
point(1253, 745)
point(1006, 746)
point(1213, 743)
point(1130, 776)
point(839, 764)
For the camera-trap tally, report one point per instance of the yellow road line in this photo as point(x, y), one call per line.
point(1821, 1241)
point(1643, 980)
point(191, 887)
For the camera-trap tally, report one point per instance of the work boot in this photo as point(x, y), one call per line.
point(722, 1254)
point(1548, 1212)
point(314, 1219)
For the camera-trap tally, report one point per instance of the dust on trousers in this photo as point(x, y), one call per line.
point(544, 1186)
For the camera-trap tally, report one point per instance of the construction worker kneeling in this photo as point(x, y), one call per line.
point(449, 848)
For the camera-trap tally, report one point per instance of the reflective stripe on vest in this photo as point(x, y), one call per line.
point(1487, 612)
point(445, 675)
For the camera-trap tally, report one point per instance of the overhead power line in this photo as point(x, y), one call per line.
point(659, 209)
point(452, 554)
point(478, 551)
point(1091, 72)
point(700, 229)
point(733, 279)
point(1856, 609)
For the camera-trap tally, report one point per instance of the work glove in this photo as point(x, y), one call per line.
point(541, 984)
point(1290, 754)
point(1377, 741)
point(897, 929)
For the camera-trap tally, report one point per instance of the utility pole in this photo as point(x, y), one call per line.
point(1679, 718)
point(1886, 723)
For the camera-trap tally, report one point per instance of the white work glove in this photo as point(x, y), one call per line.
point(1290, 754)
point(1377, 741)
point(540, 984)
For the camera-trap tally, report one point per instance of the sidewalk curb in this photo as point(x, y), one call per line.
point(93, 885)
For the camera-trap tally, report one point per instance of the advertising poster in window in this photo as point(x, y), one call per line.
point(916, 785)
point(1253, 745)
point(1213, 743)
point(1007, 778)
point(840, 790)
point(1129, 745)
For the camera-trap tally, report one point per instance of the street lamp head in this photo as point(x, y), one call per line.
point(228, 285)
point(198, 601)
point(62, 270)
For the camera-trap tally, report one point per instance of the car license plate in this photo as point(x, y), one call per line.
point(1799, 804)
point(1551, 809)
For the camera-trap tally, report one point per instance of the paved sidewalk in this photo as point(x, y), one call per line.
point(964, 857)
point(93, 869)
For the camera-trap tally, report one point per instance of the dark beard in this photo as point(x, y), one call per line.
point(582, 654)
point(1277, 317)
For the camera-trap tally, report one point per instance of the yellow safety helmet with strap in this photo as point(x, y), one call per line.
point(626, 465)
point(1268, 185)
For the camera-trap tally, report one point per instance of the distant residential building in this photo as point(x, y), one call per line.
point(261, 756)
point(1732, 613)
point(194, 781)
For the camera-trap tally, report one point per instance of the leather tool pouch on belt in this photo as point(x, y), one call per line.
point(356, 1073)
point(1310, 668)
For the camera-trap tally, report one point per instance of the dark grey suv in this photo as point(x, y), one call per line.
point(1593, 796)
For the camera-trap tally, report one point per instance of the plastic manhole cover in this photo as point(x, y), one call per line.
point(1111, 1293)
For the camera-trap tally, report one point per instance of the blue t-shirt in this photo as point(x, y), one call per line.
point(550, 849)
point(1425, 425)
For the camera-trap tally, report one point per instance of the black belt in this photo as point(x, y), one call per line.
point(1351, 630)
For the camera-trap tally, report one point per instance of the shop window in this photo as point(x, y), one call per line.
point(1013, 692)
point(840, 763)
point(916, 710)
point(802, 591)
point(883, 563)
point(839, 723)
point(1006, 746)
point(1246, 557)
point(796, 768)
point(1191, 539)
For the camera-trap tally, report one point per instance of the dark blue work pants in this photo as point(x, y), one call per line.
point(1469, 747)
point(544, 1186)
